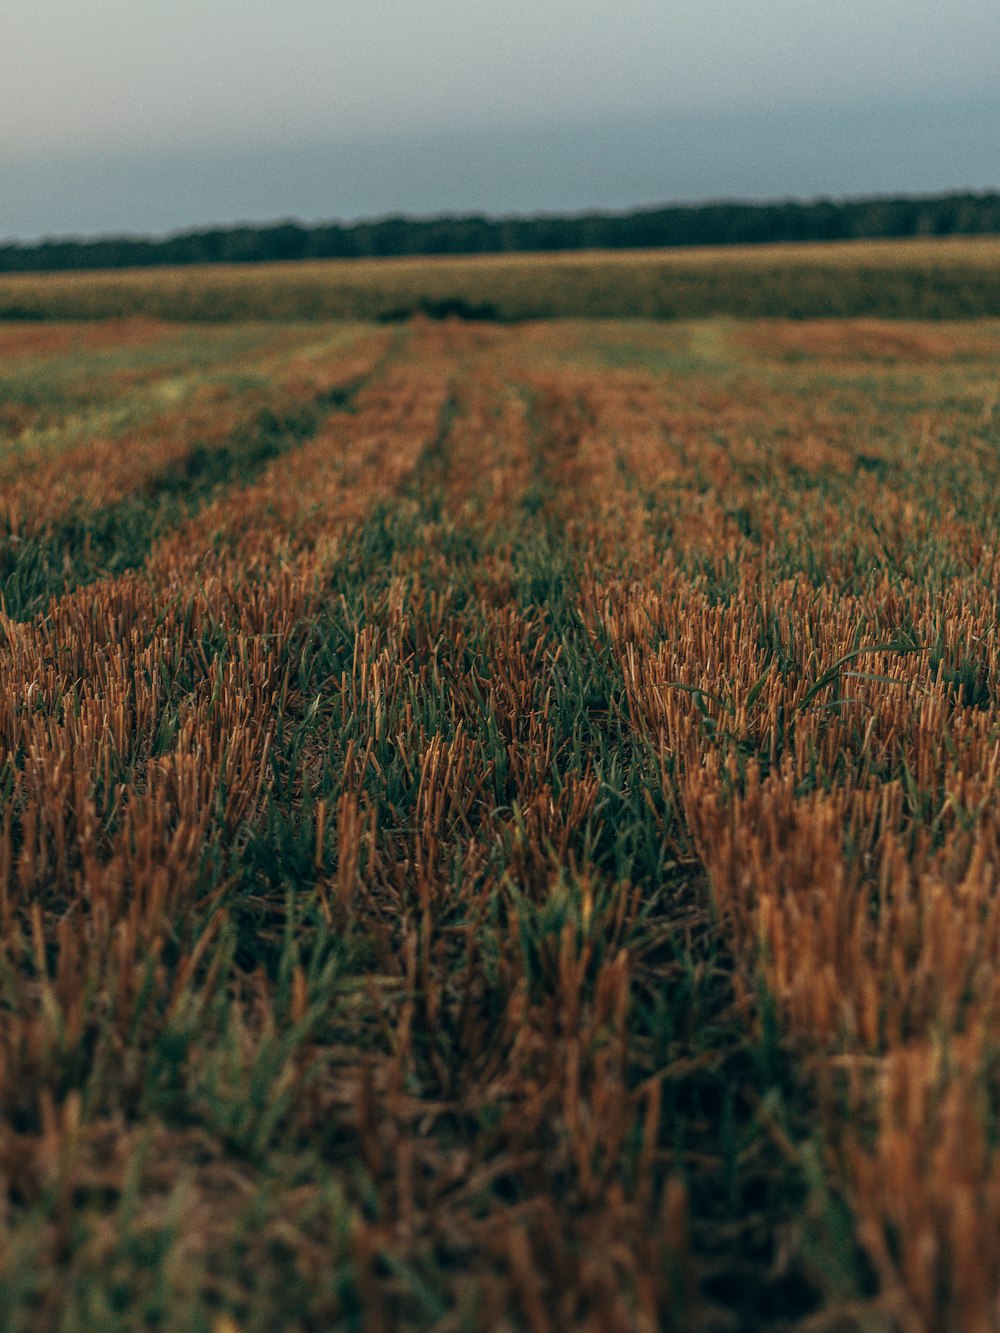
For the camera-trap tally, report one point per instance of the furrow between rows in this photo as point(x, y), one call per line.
point(99, 509)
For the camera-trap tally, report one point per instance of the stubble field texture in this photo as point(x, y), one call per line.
point(498, 822)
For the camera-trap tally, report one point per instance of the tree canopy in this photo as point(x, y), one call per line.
point(728, 223)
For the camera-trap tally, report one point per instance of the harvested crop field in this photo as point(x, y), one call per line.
point(499, 826)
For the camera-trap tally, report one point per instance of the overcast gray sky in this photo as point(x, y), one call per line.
point(156, 114)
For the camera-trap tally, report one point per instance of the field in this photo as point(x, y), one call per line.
point(498, 823)
point(938, 278)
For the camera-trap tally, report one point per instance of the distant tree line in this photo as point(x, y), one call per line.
point(687, 225)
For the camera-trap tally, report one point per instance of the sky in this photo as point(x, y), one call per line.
point(156, 115)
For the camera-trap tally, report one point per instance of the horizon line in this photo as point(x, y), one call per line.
point(193, 230)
